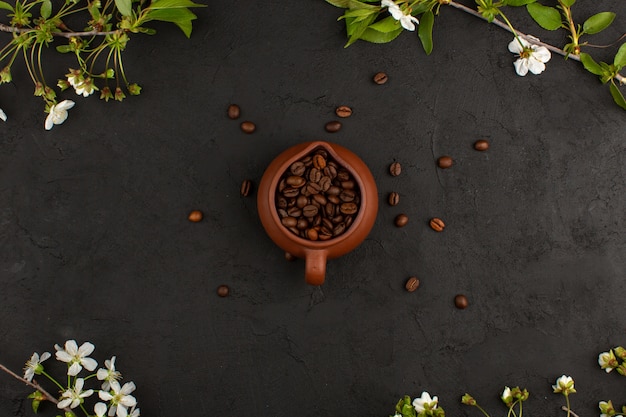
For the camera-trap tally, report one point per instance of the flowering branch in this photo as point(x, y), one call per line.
point(368, 21)
point(33, 384)
point(13, 29)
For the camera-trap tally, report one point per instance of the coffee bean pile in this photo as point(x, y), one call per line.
point(317, 198)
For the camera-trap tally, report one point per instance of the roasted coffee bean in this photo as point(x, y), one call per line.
point(294, 212)
point(307, 160)
point(322, 152)
point(395, 169)
point(348, 185)
point(289, 221)
point(295, 181)
point(401, 220)
point(317, 220)
point(248, 127)
point(393, 199)
point(348, 208)
point(334, 199)
point(282, 184)
point(343, 175)
point(329, 209)
point(348, 221)
point(461, 302)
point(297, 168)
point(312, 234)
point(315, 174)
point(339, 229)
point(281, 202)
point(343, 111)
point(320, 199)
point(444, 162)
point(233, 111)
point(223, 290)
point(319, 161)
point(195, 216)
point(437, 224)
point(301, 201)
point(311, 188)
point(302, 224)
point(327, 223)
point(291, 192)
point(333, 126)
point(282, 213)
point(380, 78)
point(246, 188)
point(347, 195)
point(481, 145)
point(337, 219)
point(330, 171)
point(333, 190)
point(412, 284)
point(325, 183)
point(309, 211)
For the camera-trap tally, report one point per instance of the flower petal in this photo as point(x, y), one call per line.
point(542, 53)
point(74, 369)
point(65, 105)
point(89, 364)
point(535, 66)
point(100, 409)
point(128, 388)
point(515, 47)
point(48, 125)
point(64, 403)
point(44, 356)
point(105, 396)
point(521, 66)
point(3, 115)
point(70, 346)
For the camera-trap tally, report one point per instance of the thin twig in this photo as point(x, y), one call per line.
point(12, 29)
point(527, 37)
point(33, 384)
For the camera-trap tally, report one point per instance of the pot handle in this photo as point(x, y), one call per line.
point(315, 266)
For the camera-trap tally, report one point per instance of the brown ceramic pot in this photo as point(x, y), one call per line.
point(315, 253)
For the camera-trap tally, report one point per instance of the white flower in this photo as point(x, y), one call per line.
point(85, 88)
point(33, 366)
point(425, 402)
point(73, 397)
point(607, 361)
point(58, 113)
point(134, 412)
point(406, 20)
point(564, 384)
point(120, 398)
point(506, 396)
point(3, 115)
point(531, 57)
point(100, 409)
point(74, 356)
point(109, 374)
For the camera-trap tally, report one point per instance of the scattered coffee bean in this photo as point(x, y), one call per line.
point(332, 127)
point(316, 198)
point(195, 216)
point(290, 257)
point(223, 290)
point(393, 199)
point(460, 301)
point(248, 127)
point(437, 224)
point(401, 220)
point(343, 111)
point(395, 169)
point(481, 145)
point(234, 111)
point(444, 162)
point(246, 188)
point(380, 78)
point(412, 284)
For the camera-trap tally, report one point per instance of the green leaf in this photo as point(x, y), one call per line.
point(598, 22)
point(518, 2)
point(351, 4)
point(46, 9)
point(568, 3)
point(357, 14)
point(425, 31)
point(180, 17)
point(388, 24)
point(124, 6)
point(173, 4)
point(355, 30)
point(590, 65)
point(620, 57)
point(547, 17)
point(344, 4)
point(64, 49)
point(618, 97)
point(6, 6)
point(375, 36)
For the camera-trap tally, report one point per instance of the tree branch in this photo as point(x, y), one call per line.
point(12, 29)
point(529, 38)
point(33, 384)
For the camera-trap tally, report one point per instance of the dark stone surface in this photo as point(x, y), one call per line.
point(96, 244)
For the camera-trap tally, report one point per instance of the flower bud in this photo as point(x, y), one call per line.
point(63, 85)
point(39, 89)
point(106, 94)
point(119, 94)
point(620, 352)
point(606, 407)
point(468, 400)
point(5, 75)
point(134, 89)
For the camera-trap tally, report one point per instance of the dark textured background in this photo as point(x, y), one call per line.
point(95, 242)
